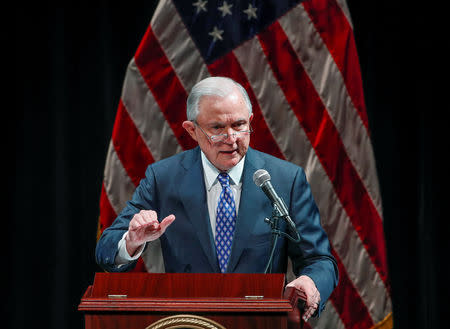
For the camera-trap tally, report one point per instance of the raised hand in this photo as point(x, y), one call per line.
point(145, 227)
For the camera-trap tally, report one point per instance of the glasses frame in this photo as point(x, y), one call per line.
point(223, 137)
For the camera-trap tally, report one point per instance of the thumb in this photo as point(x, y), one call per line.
point(165, 223)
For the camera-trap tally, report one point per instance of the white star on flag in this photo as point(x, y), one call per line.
point(251, 12)
point(216, 34)
point(200, 5)
point(225, 9)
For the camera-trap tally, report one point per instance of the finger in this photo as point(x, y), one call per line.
point(166, 222)
point(149, 220)
point(291, 284)
point(308, 313)
point(313, 302)
point(154, 225)
point(310, 308)
point(149, 216)
point(313, 298)
point(316, 296)
point(153, 232)
point(135, 222)
point(150, 226)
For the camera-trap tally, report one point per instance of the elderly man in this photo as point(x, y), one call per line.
point(212, 212)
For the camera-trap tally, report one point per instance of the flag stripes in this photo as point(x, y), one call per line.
point(343, 5)
point(118, 185)
point(129, 146)
point(326, 141)
point(165, 86)
point(337, 35)
point(136, 96)
point(325, 76)
point(347, 301)
point(303, 79)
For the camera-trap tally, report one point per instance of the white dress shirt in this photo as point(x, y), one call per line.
point(213, 189)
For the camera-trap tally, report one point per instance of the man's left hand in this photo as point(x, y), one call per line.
point(307, 288)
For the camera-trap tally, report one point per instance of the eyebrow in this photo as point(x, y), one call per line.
point(220, 123)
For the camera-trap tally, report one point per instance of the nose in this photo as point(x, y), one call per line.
point(231, 134)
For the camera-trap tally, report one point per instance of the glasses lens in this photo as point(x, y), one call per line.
point(223, 137)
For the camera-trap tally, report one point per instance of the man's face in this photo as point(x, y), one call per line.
point(221, 115)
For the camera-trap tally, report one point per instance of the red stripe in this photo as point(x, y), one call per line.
point(140, 266)
point(107, 213)
point(262, 138)
point(134, 156)
point(338, 36)
point(353, 315)
point(165, 86)
point(324, 137)
point(129, 146)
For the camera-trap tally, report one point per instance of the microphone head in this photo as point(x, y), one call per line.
point(260, 177)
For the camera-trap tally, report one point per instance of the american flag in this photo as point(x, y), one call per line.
point(299, 64)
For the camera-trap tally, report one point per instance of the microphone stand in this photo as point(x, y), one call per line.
point(276, 233)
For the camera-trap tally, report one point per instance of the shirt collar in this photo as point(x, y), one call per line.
point(212, 172)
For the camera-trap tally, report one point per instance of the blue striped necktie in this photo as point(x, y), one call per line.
point(225, 222)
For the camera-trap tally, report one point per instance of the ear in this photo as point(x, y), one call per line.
point(189, 126)
point(251, 118)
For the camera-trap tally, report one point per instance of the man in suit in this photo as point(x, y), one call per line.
point(213, 213)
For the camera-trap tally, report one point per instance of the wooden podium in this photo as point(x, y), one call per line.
point(180, 300)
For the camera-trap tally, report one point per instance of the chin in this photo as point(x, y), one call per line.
point(227, 165)
point(225, 162)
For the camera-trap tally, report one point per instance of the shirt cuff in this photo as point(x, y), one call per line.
point(122, 256)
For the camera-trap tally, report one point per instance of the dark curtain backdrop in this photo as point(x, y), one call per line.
point(67, 71)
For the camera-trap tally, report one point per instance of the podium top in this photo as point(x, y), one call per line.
point(188, 285)
point(188, 292)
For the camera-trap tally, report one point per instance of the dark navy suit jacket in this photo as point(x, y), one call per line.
point(176, 186)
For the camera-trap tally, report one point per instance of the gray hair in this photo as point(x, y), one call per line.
point(213, 86)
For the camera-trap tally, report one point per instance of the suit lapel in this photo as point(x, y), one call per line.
point(249, 208)
point(193, 196)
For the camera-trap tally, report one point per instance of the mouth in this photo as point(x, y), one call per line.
point(231, 152)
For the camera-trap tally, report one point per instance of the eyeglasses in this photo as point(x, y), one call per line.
point(223, 137)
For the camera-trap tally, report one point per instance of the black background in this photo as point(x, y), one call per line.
point(67, 69)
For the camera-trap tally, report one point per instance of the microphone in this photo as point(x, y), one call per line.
point(262, 179)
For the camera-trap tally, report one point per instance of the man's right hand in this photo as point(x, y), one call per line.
point(144, 227)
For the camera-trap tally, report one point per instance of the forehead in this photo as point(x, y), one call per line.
point(230, 107)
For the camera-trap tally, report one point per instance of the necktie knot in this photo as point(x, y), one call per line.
point(224, 179)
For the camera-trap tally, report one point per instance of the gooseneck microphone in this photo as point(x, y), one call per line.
point(262, 179)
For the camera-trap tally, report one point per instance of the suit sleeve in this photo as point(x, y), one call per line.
point(312, 255)
point(107, 246)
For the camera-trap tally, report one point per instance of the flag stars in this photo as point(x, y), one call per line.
point(216, 34)
point(225, 9)
point(200, 5)
point(251, 12)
